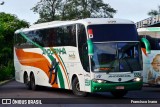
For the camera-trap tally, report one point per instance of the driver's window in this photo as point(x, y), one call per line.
point(82, 47)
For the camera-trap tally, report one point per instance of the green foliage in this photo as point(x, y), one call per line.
point(8, 25)
point(2, 3)
point(47, 9)
point(154, 12)
point(50, 10)
point(78, 9)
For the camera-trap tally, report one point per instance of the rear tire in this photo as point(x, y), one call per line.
point(27, 82)
point(33, 85)
point(119, 94)
point(76, 88)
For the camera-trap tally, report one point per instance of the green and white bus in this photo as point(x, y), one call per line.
point(151, 54)
point(87, 55)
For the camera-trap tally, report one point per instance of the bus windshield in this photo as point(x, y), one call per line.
point(116, 57)
point(114, 32)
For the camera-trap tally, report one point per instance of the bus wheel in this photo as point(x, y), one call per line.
point(33, 85)
point(119, 94)
point(26, 82)
point(76, 88)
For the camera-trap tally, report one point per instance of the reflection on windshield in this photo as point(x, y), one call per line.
point(115, 57)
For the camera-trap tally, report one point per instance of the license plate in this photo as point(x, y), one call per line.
point(120, 87)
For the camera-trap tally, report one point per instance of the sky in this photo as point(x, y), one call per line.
point(135, 10)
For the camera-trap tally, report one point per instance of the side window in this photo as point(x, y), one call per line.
point(60, 36)
point(20, 41)
point(72, 35)
point(82, 47)
point(32, 36)
point(38, 37)
point(51, 37)
point(69, 35)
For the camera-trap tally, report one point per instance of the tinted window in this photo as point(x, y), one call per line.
point(60, 36)
point(82, 47)
point(21, 42)
point(114, 32)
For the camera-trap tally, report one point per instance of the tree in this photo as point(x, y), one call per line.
point(2, 3)
point(154, 12)
point(47, 10)
point(8, 24)
point(76, 9)
point(50, 10)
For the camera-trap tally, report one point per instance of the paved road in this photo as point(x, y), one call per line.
point(14, 89)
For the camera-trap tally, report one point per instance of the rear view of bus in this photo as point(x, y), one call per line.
point(151, 54)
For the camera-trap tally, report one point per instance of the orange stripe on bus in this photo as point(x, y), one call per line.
point(34, 60)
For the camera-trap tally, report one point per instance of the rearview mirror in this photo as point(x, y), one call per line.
point(147, 45)
point(90, 47)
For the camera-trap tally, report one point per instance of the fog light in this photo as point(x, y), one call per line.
point(99, 81)
point(137, 79)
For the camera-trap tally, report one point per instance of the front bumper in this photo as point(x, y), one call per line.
point(104, 87)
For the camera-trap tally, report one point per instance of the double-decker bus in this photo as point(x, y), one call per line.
point(87, 55)
point(151, 54)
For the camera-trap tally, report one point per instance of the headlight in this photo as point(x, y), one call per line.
point(137, 79)
point(99, 81)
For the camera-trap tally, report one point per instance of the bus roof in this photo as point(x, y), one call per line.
point(87, 21)
point(148, 30)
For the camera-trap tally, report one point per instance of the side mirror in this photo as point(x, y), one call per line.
point(147, 45)
point(90, 47)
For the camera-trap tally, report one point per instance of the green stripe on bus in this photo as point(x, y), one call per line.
point(61, 80)
point(65, 69)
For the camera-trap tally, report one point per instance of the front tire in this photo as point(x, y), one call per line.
point(76, 88)
point(119, 94)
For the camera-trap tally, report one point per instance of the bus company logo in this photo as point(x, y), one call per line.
point(54, 51)
point(6, 101)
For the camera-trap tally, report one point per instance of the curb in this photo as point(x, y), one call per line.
point(6, 81)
